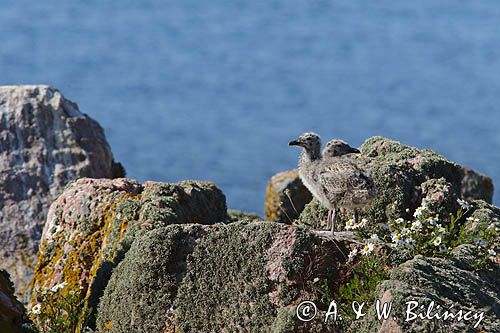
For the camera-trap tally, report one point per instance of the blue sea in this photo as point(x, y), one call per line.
point(214, 90)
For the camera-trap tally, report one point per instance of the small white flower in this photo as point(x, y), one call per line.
point(431, 220)
point(316, 279)
point(441, 229)
point(405, 231)
point(58, 229)
point(410, 243)
point(437, 241)
point(416, 225)
point(56, 288)
point(36, 309)
point(419, 212)
point(464, 204)
point(350, 225)
point(469, 219)
point(492, 252)
point(397, 238)
point(375, 237)
point(443, 248)
point(353, 253)
point(491, 226)
point(399, 220)
point(367, 249)
point(362, 223)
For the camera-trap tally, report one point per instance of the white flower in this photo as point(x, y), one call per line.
point(491, 226)
point(419, 212)
point(350, 225)
point(464, 204)
point(410, 243)
point(316, 279)
point(399, 220)
point(56, 288)
point(480, 242)
point(362, 223)
point(469, 219)
point(397, 238)
point(492, 252)
point(441, 229)
point(374, 237)
point(437, 241)
point(443, 248)
point(367, 249)
point(416, 225)
point(431, 220)
point(58, 229)
point(405, 231)
point(353, 253)
point(36, 309)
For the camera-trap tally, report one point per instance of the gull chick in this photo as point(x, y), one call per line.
point(332, 179)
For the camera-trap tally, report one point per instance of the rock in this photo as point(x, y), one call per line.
point(13, 317)
point(236, 215)
point(239, 277)
point(93, 222)
point(286, 197)
point(45, 142)
point(433, 279)
point(405, 177)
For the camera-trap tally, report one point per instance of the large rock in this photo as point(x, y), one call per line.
point(92, 224)
point(13, 317)
point(240, 277)
point(45, 142)
point(286, 197)
point(405, 177)
point(451, 284)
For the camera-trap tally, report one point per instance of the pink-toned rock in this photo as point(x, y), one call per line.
point(45, 142)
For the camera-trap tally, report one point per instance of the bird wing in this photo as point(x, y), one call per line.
point(342, 179)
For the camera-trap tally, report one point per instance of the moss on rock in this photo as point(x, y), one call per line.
point(93, 223)
point(240, 277)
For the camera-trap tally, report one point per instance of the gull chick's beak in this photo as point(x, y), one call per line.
point(355, 150)
point(294, 143)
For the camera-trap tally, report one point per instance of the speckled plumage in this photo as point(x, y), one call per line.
point(334, 179)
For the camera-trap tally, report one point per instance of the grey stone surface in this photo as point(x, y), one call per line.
point(45, 142)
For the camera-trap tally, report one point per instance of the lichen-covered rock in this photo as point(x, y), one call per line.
point(13, 317)
point(239, 277)
point(236, 215)
point(45, 142)
point(405, 177)
point(92, 224)
point(450, 284)
point(286, 197)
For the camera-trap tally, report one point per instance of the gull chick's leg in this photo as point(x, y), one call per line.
point(329, 220)
point(334, 219)
point(356, 216)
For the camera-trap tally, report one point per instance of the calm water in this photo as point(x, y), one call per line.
point(214, 90)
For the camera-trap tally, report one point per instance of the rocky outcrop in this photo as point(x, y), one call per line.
point(286, 197)
point(45, 142)
point(240, 277)
point(405, 177)
point(450, 284)
point(12, 313)
point(94, 221)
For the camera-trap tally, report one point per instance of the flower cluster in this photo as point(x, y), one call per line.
point(423, 231)
point(351, 225)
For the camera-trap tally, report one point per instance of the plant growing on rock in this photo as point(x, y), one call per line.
point(58, 311)
point(428, 235)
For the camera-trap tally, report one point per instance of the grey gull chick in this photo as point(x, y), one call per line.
point(328, 177)
point(345, 183)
